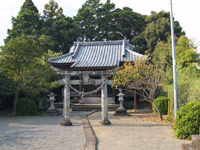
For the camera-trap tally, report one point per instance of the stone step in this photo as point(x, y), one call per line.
point(89, 107)
point(196, 141)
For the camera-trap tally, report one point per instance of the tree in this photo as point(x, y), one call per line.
point(52, 13)
point(40, 79)
point(64, 33)
point(185, 51)
point(126, 23)
point(144, 76)
point(158, 29)
point(17, 56)
point(27, 21)
point(104, 23)
point(6, 86)
point(163, 51)
point(185, 54)
point(61, 29)
point(86, 20)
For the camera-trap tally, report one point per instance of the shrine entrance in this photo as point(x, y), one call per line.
point(85, 61)
point(102, 86)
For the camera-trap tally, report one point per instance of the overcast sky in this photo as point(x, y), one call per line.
point(186, 12)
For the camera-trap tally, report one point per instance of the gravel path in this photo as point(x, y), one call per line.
point(45, 133)
point(138, 132)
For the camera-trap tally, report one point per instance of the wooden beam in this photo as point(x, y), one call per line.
point(78, 82)
point(76, 73)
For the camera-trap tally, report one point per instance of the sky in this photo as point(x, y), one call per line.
point(186, 12)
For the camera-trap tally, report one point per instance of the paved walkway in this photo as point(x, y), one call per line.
point(138, 132)
point(41, 133)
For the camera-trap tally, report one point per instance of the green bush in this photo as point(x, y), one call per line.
point(162, 103)
point(26, 107)
point(187, 121)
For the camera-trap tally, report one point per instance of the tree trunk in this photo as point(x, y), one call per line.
point(157, 110)
point(14, 113)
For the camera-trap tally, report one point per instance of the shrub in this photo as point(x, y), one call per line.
point(187, 121)
point(162, 103)
point(26, 107)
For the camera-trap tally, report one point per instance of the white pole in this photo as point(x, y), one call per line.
point(174, 63)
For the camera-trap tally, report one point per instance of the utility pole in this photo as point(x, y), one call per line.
point(174, 63)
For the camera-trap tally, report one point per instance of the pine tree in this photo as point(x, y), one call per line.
point(61, 29)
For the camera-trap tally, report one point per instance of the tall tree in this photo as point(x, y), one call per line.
point(52, 13)
point(27, 21)
point(18, 55)
point(158, 29)
point(127, 23)
point(86, 19)
point(61, 29)
point(104, 23)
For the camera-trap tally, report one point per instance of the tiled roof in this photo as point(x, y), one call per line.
point(97, 54)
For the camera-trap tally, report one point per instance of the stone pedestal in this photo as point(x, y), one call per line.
point(104, 103)
point(121, 111)
point(66, 108)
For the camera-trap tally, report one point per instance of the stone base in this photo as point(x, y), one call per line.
point(52, 112)
point(66, 123)
point(105, 122)
point(121, 112)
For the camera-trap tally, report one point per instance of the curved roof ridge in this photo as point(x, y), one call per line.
point(136, 53)
point(102, 42)
point(68, 54)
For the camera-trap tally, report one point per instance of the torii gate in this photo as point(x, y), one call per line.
point(67, 82)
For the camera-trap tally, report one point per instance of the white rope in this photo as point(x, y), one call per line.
point(87, 93)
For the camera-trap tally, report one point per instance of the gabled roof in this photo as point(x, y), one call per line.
point(96, 55)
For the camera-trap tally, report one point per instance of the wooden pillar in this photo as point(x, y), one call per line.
point(113, 94)
point(66, 105)
point(104, 103)
point(135, 100)
point(80, 86)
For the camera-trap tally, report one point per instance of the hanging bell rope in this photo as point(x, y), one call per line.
point(86, 93)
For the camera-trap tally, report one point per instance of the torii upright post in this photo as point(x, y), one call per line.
point(66, 108)
point(104, 103)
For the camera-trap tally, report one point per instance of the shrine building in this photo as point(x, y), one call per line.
point(88, 69)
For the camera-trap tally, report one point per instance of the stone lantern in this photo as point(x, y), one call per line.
point(40, 107)
point(52, 108)
point(121, 111)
